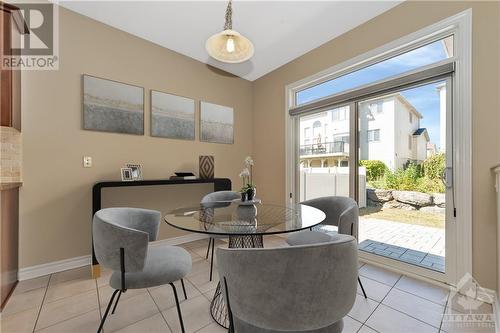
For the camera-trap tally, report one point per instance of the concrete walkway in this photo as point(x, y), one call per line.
point(414, 244)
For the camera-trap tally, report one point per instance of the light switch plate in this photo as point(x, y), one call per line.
point(87, 161)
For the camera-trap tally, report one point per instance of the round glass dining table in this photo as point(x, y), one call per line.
point(244, 224)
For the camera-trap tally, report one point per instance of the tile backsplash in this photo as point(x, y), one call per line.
point(10, 155)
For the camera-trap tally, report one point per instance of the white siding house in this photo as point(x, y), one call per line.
point(389, 131)
point(442, 116)
point(324, 138)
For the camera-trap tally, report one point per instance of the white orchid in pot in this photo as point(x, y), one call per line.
point(248, 189)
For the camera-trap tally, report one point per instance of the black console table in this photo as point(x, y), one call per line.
point(220, 184)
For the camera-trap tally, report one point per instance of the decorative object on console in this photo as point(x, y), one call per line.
point(216, 123)
point(184, 176)
point(207, 167)
point(136, 171)
point(248, 189)
point(172, 116)
point(126, 174)
point(229, 45)
point(112, 106)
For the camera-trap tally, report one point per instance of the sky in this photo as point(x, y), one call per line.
point(425, 99)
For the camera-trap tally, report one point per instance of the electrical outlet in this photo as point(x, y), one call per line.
point(87, 161)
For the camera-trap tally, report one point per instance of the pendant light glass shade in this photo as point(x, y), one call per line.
point(229, 46)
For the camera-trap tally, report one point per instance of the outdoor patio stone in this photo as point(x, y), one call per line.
point(410, 261)
point(439, 199)
point(382, 252)
point(394, 240)
point(371, 203)
point(413, 198)
point(416, 253)
point(378, 195)
point(397, 205)
point(438, 267)
point(426, 263)
point(435, 259)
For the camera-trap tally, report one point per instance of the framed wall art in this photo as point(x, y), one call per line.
point(172, 116)
point(111, 106)
point(216, 123)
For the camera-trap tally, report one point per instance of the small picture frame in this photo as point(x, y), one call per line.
point(126, 174)
point(136, 171)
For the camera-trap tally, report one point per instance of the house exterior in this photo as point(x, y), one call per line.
point(324, 138)
point(441, 90)
point(389, 131)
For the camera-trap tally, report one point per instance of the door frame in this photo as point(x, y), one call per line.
point(450, 221)
point(460, 25)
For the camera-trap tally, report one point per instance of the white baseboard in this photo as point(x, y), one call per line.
point(52, 267)
point(32, 272)
point(180, 240)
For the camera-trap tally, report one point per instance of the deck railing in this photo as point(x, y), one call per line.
point(324, 148)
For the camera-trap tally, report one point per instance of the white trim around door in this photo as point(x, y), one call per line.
point(460, 26)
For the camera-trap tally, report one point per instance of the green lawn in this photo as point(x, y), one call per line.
point(404, 216)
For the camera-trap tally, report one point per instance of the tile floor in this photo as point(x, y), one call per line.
point(71, 301)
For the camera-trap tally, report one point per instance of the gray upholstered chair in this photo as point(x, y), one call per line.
point(276, 289)
point(214, 197)
point(121, 237)
point(341, 212)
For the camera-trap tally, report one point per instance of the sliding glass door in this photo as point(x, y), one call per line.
point(404, 165)
point(391, 151)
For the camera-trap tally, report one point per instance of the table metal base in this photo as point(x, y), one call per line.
point(218, 308)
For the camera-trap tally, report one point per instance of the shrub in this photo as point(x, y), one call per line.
point(409, 179)
point(420, 178)
point(434, 166)
point(428, 185)
point(374, 169)
point(403, 179)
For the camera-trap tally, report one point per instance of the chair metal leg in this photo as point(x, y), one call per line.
point(116, 303)
point(362, 288)
point(107, 311)
point(212, 260)
point(229, 312)
point(208, 247)
point(184, 289)
point(178, 307)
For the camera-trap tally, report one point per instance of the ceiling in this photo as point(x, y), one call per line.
point(280, 30)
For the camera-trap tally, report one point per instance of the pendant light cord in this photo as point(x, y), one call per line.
point(228, 25)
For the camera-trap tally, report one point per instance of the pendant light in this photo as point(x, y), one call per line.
point(229, 45)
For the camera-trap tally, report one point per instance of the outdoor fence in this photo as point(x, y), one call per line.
point(321, 182)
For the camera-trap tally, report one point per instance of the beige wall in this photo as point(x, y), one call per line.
point(55, 207)
point(269, 106)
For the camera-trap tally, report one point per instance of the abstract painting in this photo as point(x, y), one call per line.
point(217, 123)
point(112, 106)
point(172, 116)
